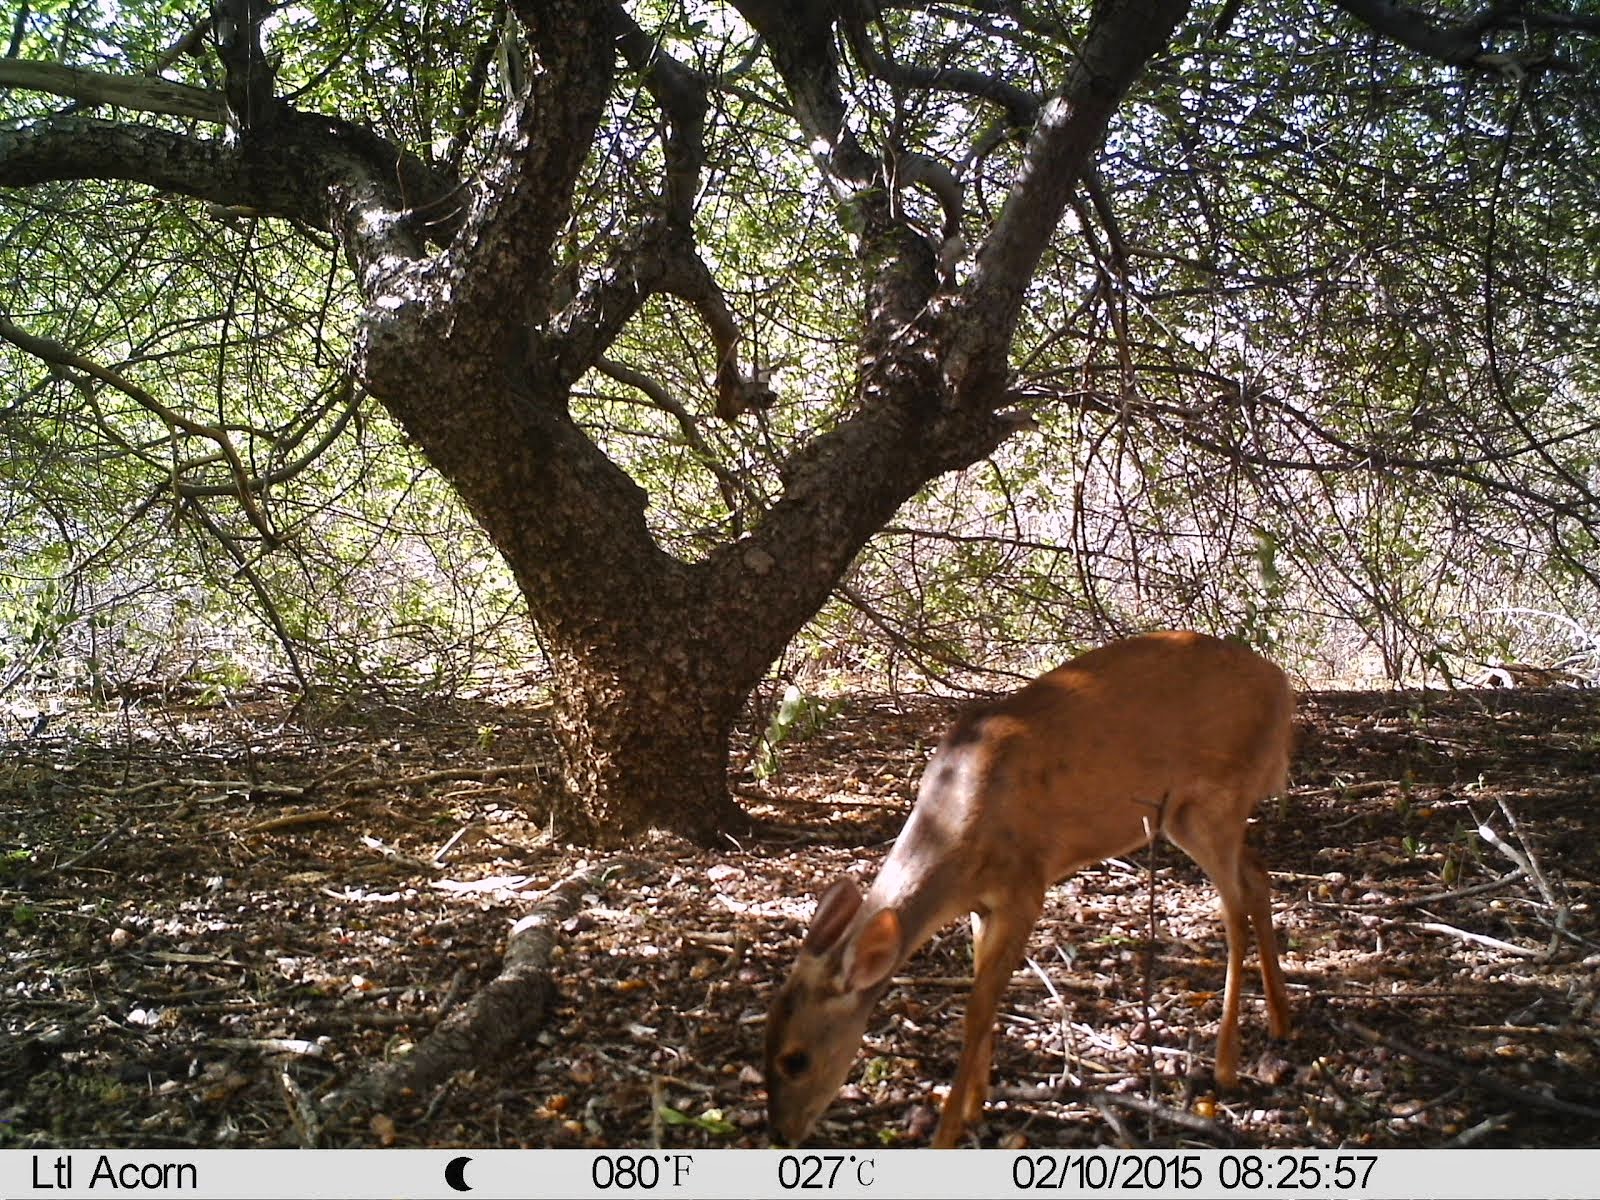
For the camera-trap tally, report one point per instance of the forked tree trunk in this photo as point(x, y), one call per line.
point(470, 343)
point(476, 358)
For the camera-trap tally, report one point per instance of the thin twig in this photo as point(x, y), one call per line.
point(1155, 1110)
point(1527, 861)
point(1063, 1022)
point(1476, 889)
point(1125, 1138)
point(1478, 1132)
point(92, 850)
point(1483, 939)
point(1476, 1076)
point(1149, 983)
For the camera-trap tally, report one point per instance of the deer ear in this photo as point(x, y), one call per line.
point(876, 951)
point(834, 909)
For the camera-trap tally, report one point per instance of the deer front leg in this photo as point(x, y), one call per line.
point(999, 937)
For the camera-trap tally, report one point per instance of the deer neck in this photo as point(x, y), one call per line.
point(926, 878)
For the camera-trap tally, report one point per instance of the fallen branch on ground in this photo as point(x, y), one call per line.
point(501, 1016)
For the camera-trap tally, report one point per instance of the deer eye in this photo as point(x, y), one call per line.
point(794, 1064)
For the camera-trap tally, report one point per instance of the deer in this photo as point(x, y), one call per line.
point(1171, 733)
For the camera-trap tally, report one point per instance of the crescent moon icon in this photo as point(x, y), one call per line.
point(455, 1174)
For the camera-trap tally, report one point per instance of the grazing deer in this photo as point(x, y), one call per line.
point(1176, 733)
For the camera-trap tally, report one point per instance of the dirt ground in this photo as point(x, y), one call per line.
point(213, 914)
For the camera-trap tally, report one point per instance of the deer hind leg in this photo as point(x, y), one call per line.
point(998, 940)
point(1206, 829)
point(1258, 899)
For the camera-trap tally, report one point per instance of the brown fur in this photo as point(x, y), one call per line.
point(1177, 733)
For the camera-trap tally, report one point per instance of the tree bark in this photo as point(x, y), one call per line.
point(645, 745)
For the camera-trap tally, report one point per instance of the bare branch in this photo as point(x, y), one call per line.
point(61, 358)
point(499, 275)
point(586, 327)
point(800, 37)
point(914, 168)
point(902, 265)
point(659, 256)
point(1461, 43)
point(19, 28)
point(356, 198)
point(140, 93)
point(63, 148)
point(688, 278)
point(681, 94)
point(472, 93)
point(1327, 452)
point(345, 397)
point(351, 161)
point(1021, 107)
point(729, 485)
point(1121, 39)
point(1457, 43)
point(236, 35)
point(192, 42)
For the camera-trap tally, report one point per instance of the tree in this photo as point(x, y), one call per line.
point(506, 255)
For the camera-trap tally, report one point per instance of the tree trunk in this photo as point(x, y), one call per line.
point(645, 746)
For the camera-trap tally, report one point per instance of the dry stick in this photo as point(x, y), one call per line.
point(1062, 1020)
point(1158, 1111)
point(1478, 1132)
point(1525, 859)
point(1474, 1076)
point(373, 783)
point(1483, 939)
point(1323, 1073)
point(92, 850)
point(303, 1113)
point(249, 787)
point(122, 793)
point(502, 1014)
point(1150, 965)
point(1370, 787)
point(300, 1047)
point(658, 1100)
point(439, 1097)
point(475, 774)
point(1543, 884)
point(314, 816)
point(1475, 889)
point(1125, 1137)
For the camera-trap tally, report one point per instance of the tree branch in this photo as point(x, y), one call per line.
point(19, 29)
point(1460, 43)
point(681, 94)
point(687, 277)
point(236, 35)
point(140, 93)
point(729, 484)
point(660, 256)
point(799, 34)
point(355, 198)
point(1457, 43)
point(1123, 36)
point(1326, 452)
point(1021, 107)
point(472, 92)
point(61, 358)
point(586, 327)
point(497, 276)
point(67, 148)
